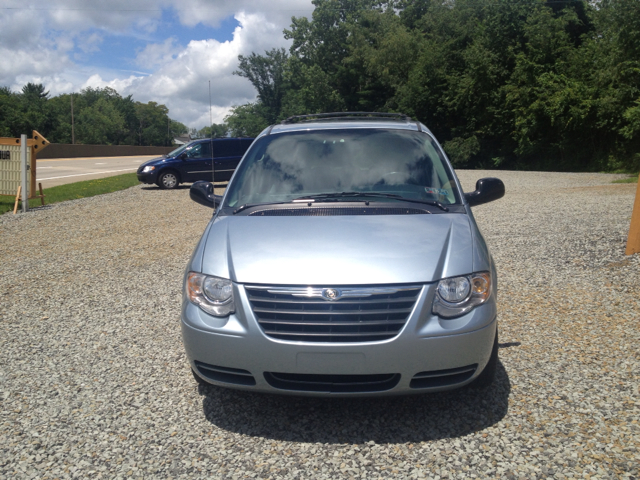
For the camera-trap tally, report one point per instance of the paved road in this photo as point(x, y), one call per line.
point(61, 171)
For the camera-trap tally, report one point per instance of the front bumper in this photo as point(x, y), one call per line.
point(148, 177)
point(429, 353)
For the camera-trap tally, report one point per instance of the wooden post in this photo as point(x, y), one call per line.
point(41, 194)
point(15, 205)
point(633, 240)
point(37, 144)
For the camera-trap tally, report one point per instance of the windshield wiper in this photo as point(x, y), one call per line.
point(336, 195)
point(249, 205)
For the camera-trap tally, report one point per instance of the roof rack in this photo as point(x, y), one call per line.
point(345, 116)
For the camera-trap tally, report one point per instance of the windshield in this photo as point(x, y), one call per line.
point(179, 150)
point(287, 166)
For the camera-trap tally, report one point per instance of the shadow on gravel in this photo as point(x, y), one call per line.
point(407, 419)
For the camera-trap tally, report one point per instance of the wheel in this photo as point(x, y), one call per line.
point(199, 380)
point(168, 180)
point(487, 376)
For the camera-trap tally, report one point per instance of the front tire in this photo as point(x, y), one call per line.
point(168, 180)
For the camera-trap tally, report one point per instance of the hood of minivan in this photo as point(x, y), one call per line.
point(339, 250)
point(154, 161)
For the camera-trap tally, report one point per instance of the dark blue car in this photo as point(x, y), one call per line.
point(192, 162)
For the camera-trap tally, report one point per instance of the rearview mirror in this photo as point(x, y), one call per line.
point(487, 190)
point(202, 192)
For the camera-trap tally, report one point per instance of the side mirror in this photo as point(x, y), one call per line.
point(487, 190)
point(183, 156)
point(202, 192)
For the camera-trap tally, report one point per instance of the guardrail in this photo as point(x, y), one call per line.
point(62, 150)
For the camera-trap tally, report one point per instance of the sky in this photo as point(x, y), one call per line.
point(164, 51)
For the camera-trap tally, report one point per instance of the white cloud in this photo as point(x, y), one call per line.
point(158, 54)
point(37, 42)
point(182, 83)
point(91, 43)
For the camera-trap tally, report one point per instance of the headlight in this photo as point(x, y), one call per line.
point(458, 295)
point(148, 169)
point(212, 294)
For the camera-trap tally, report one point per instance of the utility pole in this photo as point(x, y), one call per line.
point(73, 131)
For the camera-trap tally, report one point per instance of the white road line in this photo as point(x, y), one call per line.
point(100, 163)
point(82, 174)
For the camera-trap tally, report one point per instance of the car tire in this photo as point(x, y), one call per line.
point(199, 380)
point(486, 378)
point(168, 180)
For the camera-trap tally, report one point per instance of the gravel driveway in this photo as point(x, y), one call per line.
point(94, 382)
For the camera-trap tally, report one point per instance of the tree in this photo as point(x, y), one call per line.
point(99, 123)
point(34, 106)
point(310, 92)
point(178, 129)
point(216, 130)
point(246, 120)
point(325, 41)
point(35, 91)
point(153, 124)
point(11, 113)
point(266, 73)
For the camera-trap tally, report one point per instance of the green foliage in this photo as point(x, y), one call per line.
point(247, 120)
point(461, 150)
point(98, 123)
point(536, 85)
point(266, 73)
point(154, 124)
point(630, 179)
point(178, 129)
point(216, 130)
point(100, 116)
point(312, 92)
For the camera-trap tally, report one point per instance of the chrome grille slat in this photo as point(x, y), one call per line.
point(341, 324)
point(309, 301)
point(332, 312)
point(361, 314)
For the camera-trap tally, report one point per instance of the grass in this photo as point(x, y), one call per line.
point(71, 191)
point(631, 179)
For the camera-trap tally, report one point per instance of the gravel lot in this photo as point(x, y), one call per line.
point(94, 382)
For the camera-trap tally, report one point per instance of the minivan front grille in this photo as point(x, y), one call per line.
point(355, 314)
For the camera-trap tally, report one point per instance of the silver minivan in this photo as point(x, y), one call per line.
point(343, 259)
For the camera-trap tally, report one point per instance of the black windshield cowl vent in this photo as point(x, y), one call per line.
point(338, 211)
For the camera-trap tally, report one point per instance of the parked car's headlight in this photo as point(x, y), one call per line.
point(458, 295)
point(212, 294)
point(148, 169)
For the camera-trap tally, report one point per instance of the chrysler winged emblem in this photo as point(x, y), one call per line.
point(331, 293)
